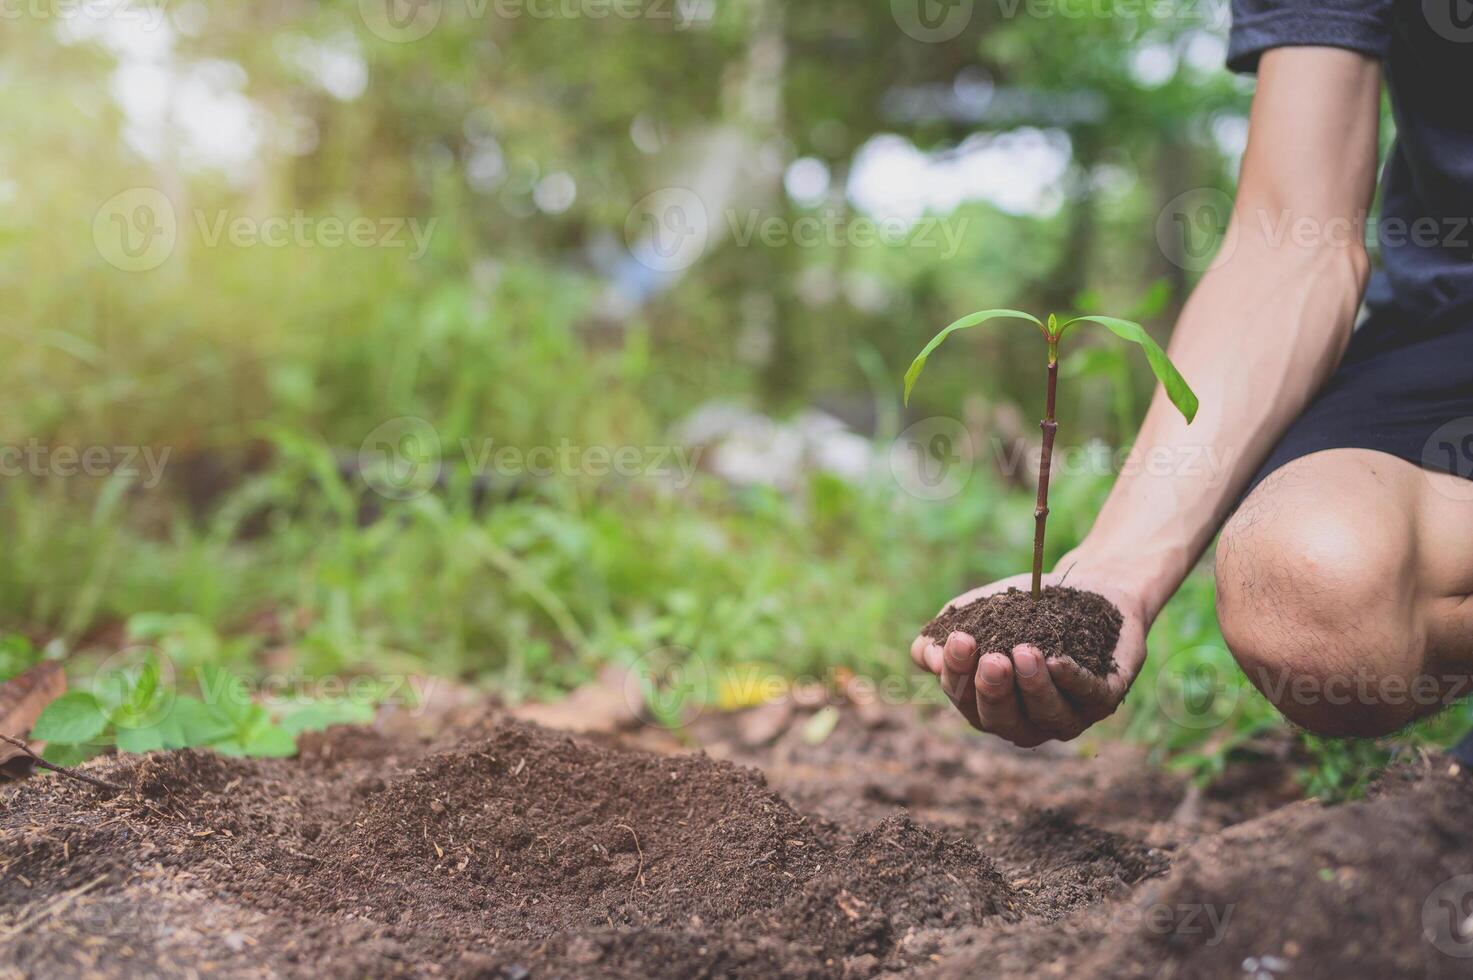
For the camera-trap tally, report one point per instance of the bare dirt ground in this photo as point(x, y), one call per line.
point(898, 845)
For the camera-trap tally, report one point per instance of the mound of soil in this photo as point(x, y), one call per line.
point(503, 850)
point(1375, 888)
point(515, 848)
point(1062, 622)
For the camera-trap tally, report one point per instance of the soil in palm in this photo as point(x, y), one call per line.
point(1062, 622)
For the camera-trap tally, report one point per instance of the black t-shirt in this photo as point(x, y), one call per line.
point(1425, 230)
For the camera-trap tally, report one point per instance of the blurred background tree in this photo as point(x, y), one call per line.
point(1046, 139)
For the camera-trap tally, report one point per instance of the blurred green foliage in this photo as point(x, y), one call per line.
point(255, 373)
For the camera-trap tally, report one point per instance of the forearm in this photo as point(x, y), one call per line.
point(1265, 327)
point(1258, 337)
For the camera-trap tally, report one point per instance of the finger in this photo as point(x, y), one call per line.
point(1044, 705)
point(933, 656)
point(959, 656)
point(918, 651)
point(998, 710)
point(1091, 695)
point(958, 672)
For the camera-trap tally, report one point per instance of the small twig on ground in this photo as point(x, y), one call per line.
point(51, 908)
point(62, 770)
point(639, 873)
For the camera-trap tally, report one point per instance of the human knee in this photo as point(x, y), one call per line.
point(1313, 603)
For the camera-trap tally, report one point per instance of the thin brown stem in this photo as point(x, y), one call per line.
point(60, 770)
point(1049, 425)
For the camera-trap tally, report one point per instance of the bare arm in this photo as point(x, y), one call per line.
point(1266, 325)
point(1263, 330)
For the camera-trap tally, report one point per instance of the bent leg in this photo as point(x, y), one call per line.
point(1343, 590)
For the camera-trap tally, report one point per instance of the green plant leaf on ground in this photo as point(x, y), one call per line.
point(271, 742)
point(61, 754)
point(1176, 386)
point(322, 715)
point(72, 719)
point(970, 320)
point(225, 694)
point(259, 738)
point(149, 738)
point(189, 723)
point(198, 723)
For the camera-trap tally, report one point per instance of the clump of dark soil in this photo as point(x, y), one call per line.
point(502, 850)
point(1062, 622)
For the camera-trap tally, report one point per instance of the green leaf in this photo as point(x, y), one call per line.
point(71, 719)
point(322, 715)
point(150, 625)
point(254, 734)
point(225, 694)
point(1176, 386)
point(970, 320)
point(259, 738)
point(145, 685)
point(61, 754)
point(190, 723)
point(270, 742)
point(198, 723)
point(150, 738)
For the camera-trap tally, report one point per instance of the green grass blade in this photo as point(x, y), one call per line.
point(1176, 386)
point(970, 320)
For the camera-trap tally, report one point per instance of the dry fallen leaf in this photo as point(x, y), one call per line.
point(761, 725)
point(600, 706)
point(22, 699)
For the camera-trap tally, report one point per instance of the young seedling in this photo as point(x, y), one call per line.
point(1176, 389)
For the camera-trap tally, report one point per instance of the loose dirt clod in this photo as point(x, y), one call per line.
point(1063, 622)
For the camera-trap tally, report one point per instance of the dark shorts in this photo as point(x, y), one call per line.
point(1397, 391)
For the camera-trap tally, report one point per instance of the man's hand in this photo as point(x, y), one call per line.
point(1261, 333)
point(1028, 699)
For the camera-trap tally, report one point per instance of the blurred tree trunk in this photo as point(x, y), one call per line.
point(761, 112)
point(1070, 275)
point(1176, 172)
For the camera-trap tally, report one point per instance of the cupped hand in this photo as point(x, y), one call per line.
point(1028, 698)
